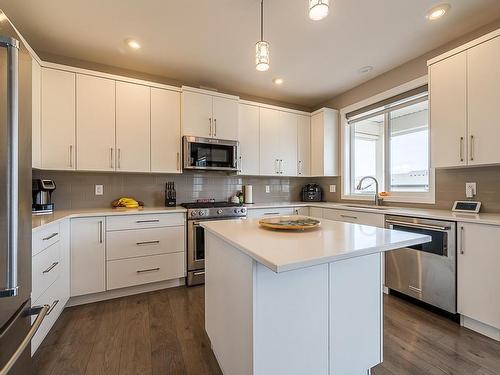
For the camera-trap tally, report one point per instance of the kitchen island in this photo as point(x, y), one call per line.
point(300, 302)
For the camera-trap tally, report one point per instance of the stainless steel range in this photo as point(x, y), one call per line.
point(196, 213)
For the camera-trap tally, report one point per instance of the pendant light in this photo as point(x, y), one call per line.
point(318, 9)
point(262, 47)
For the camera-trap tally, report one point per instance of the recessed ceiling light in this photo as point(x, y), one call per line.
point(132, 43)
point(365, 69)
point(278, 81)
point(438, 11)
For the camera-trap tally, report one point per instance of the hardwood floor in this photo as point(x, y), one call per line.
point(163, 333)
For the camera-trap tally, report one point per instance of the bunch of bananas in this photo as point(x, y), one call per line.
point(127, 203)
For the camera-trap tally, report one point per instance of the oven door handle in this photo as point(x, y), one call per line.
point(440, 228)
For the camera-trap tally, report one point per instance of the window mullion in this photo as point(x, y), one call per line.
point(387, 152)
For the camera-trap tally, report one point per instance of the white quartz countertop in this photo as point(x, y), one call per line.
point(38, 221)
point(333, 241)
point(429, 213)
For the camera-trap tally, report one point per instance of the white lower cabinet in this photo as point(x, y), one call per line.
point(364, 218)
point(478, 276)
point(50, 276)
point(88, 254)
point(316, 212)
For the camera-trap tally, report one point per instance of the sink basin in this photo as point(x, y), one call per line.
point(366, 206)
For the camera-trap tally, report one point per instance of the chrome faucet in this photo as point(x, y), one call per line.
point(378, 201)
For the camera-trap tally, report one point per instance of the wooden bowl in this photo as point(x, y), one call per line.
point(290, 222)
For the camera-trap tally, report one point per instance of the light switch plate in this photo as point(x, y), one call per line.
point(268, 189)
point(470, 189)
point(333, 188)
point(99, 189)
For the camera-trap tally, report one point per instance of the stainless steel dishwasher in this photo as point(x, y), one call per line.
point(428, 271)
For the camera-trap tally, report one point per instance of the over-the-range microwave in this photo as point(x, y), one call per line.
point(210, 154)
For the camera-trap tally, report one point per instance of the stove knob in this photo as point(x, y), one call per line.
point(235, 210)
point(202, 213)
point(193, 213)
point(243, 210)
point(219, 211)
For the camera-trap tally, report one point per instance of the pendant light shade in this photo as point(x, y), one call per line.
point(318, 9)
point(262, 47)
point(262, 56)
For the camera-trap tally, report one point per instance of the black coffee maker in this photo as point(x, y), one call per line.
point(312, 193)
point(41, 191)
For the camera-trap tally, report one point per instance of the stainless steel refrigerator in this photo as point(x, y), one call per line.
point(16, 314)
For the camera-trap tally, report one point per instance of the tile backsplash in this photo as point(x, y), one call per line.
point(77, 189)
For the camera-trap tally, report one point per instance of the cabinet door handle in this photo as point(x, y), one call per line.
point(147, 221)
point(148, 270)
point(349, 217)
point(240, 162)
point(178, 161)
point(51, 267)
point(471, 147)
point(462, 251)
point(142, 243)
point(50, 237)
point(276, 166)
point(210, 126)
point(111, 164)
point(119, 151)
point(52, 306)
point(461, 148)
point(215, 127)
point(71, 156)
point(300, 167)
point(281, 166)
point(101, 234)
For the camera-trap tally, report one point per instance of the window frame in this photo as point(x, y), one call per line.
point(347, 159)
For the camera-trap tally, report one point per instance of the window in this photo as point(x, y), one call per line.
point(389, 140)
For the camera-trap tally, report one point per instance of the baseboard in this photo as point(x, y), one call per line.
point(484, 329)
point(123, 292)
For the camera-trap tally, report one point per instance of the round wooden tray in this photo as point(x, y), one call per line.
point(292, 222)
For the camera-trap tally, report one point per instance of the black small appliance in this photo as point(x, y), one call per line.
point(41, 191)
point(312, 193)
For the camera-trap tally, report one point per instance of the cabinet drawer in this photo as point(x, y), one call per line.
point(45, 269)
point(45, 237)
point(136, 271)
point(364, 218)
point(143, 221)
point(54, 297)
point(263, 212)
point(142, 242)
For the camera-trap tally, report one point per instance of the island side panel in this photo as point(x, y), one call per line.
point(291, 321)
point(229, 305)
point(356, 313)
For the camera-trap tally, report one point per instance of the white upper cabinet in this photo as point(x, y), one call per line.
point(95, 123)
point(210, 116)
point(197, 114)
point(36, 133)
point(303, 145)
point(448, 103)
point(278, 142)
point(58, 120)
point(249, 139)
point(464, 91)
point(483, 93)
point(165, 131)
point(324, 143)
point(225, 114)
point(133, 112)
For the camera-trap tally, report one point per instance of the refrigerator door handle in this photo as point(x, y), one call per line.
point(41, 314)
point(9, 285)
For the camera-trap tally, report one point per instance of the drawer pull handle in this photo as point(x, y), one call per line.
point(147, 243)
point(50, 237)
point(272, 213)
point(199, 273)
point(149, 270)
point(349, 217)
point(148, 221)
point(52, 306)
point(51, 267)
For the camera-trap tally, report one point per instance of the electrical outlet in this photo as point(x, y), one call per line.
point(99, 189)
point(470, 189)
point(268, 189)
point(333, 188)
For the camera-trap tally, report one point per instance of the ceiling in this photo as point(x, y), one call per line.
point(211, 42)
